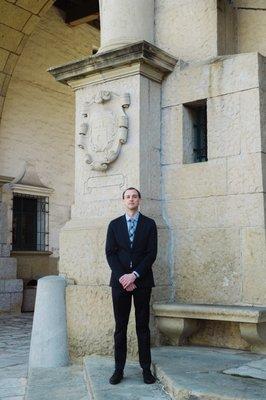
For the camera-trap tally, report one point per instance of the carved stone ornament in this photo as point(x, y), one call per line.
point(104, 128)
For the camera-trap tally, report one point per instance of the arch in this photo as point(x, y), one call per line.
point(17, 21)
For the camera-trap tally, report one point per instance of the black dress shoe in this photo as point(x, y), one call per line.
point(148, 377)
point(116, 377)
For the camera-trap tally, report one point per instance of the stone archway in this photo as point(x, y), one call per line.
point(18, 19)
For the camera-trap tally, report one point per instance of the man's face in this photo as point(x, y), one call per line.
point(131, 200)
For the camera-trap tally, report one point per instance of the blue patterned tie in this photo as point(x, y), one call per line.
point(131, 230)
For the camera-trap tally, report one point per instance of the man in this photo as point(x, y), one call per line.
point(131, 248)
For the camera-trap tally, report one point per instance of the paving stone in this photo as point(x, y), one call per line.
point(98, 371)
point(254, 369)
point(64, 383)
point(197, 372)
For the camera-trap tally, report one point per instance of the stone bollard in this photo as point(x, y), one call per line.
point(49, 347)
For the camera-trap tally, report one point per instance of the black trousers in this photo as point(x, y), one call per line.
point(122, 305)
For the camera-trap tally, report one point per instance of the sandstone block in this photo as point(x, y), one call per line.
point(13, 16)
point(32, 5)
point(11, 63)
point(194, 180)
point(3, 57)
point(244, 174)
point(207, 266)
point(172, 152)
point(219, 76)
point(251, 4)
point(224, 135)
point(31, 24)
point(203, 38)
point(251, 30)
point(254, 263)
point(91, 322)
point(9, 38)
point(216, 211)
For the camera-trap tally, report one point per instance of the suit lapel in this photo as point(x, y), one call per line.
point(124, 230)
point(138, 230)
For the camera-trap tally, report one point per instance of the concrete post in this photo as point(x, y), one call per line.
point(124, 22)
point(49, 347)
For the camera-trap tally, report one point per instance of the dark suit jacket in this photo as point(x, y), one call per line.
point(142, 254)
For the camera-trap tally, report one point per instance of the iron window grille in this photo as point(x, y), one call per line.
point(30, 230)
point(200, 134)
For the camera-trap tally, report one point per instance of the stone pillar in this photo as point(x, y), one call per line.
point(125, 21)
point(49, 347)
point(118, 108)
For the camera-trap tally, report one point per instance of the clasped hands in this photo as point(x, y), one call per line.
point(127, 281)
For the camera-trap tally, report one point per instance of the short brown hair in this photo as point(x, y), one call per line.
point(131, 188)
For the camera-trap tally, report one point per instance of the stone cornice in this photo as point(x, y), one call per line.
point(140, 53)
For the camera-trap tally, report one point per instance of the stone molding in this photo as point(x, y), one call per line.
point(140, 53)
point(28, 183)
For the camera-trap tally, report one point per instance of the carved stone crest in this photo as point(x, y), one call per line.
point(104, 128)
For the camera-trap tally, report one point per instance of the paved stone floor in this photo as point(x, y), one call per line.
point(14, 351)
point(41, 383)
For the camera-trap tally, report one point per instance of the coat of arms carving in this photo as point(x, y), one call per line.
point(104, 128)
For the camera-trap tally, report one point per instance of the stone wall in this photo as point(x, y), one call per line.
point(38, 121)
point(251, 23)
point(199, 29)
point(215, 209)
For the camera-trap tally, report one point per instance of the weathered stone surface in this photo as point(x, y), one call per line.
point(172, 135)
point(12, 285)
point(57, 383)
point(244, 174)
point(97, 372)
point(91, 322)
point(216, 211)
point(179, 16)
point(251, 30)
point(136, 18)
point(254, 369)
point(194, 180)
point(8, 268)
point(34, 6)
point(31, 24)
point(49, 347)
point(3, 57)
point(234, 124)
point(9, 38)
point(13, 16)
point(207, 266)
point(254, 262)
point(55, 139)
point(216, 77)
point(195, 372)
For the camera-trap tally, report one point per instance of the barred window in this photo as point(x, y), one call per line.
point(195, 132)
point(30, 223)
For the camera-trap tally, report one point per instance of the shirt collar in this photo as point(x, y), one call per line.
point(135, 217)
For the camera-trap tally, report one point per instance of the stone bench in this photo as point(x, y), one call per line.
point(179, 321)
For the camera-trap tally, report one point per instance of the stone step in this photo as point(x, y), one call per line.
point(8, 268)
point(197, 373)
point(98, 370)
